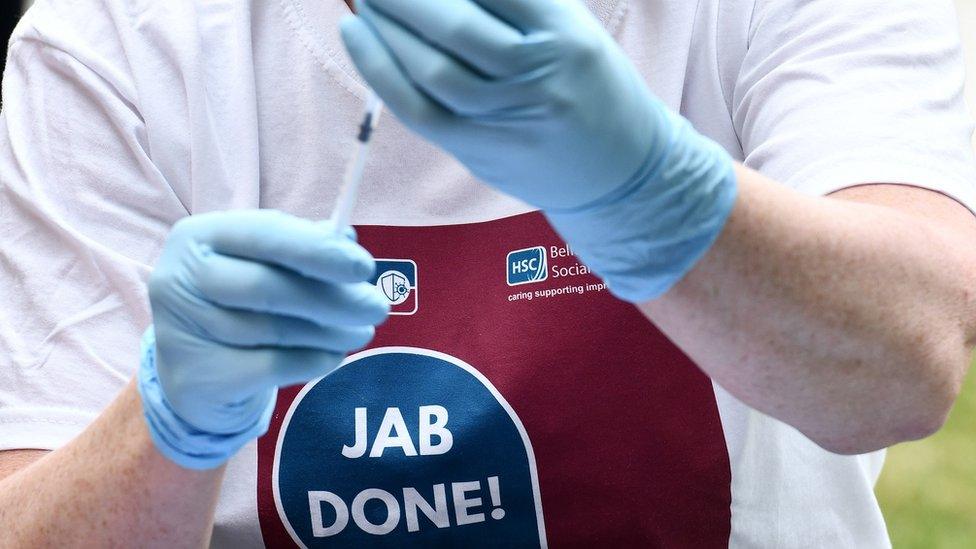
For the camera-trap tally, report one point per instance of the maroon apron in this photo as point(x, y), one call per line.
point(510, 401)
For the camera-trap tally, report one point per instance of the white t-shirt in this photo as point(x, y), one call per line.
point(571, 419)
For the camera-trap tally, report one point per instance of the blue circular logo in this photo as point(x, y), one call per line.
point(406, 447)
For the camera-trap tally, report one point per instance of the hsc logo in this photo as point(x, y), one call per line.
point(527, 266)
point(397, 279)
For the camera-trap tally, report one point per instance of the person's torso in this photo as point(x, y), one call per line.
point(510, 401)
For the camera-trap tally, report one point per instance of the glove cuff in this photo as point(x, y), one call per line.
point(646, 236)
point(176, 439)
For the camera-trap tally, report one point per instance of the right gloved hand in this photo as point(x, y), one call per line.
point(535, 98)
point(245, 302)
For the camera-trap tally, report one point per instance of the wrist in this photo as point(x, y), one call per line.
point(650, 232)
point(175, 438)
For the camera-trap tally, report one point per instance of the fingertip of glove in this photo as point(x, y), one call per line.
point(361, 265)
point(382, 307)
point(349, 27)
point(365, 267)
point(357, 34)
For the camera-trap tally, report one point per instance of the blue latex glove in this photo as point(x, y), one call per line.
point(243, 303)
point(536, 99)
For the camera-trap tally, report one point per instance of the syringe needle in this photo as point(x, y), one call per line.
point(354, 169)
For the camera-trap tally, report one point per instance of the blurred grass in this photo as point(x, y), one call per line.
point(928, 488)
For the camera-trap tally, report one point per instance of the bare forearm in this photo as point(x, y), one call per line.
point(109, 488)
point(850, 321)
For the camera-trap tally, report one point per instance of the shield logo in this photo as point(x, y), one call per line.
point(397, 279)
point(395, 287)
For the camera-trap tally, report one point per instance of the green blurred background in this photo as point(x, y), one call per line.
point(928, 488)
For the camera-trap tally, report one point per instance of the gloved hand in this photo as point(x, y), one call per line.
point(245, 302)
point(535, 98)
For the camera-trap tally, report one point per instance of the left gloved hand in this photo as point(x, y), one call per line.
point(244, 302)
point(536, 99)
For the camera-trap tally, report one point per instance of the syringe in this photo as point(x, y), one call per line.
point(354, 169)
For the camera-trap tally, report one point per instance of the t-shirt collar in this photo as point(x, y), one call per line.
point(316, 22)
